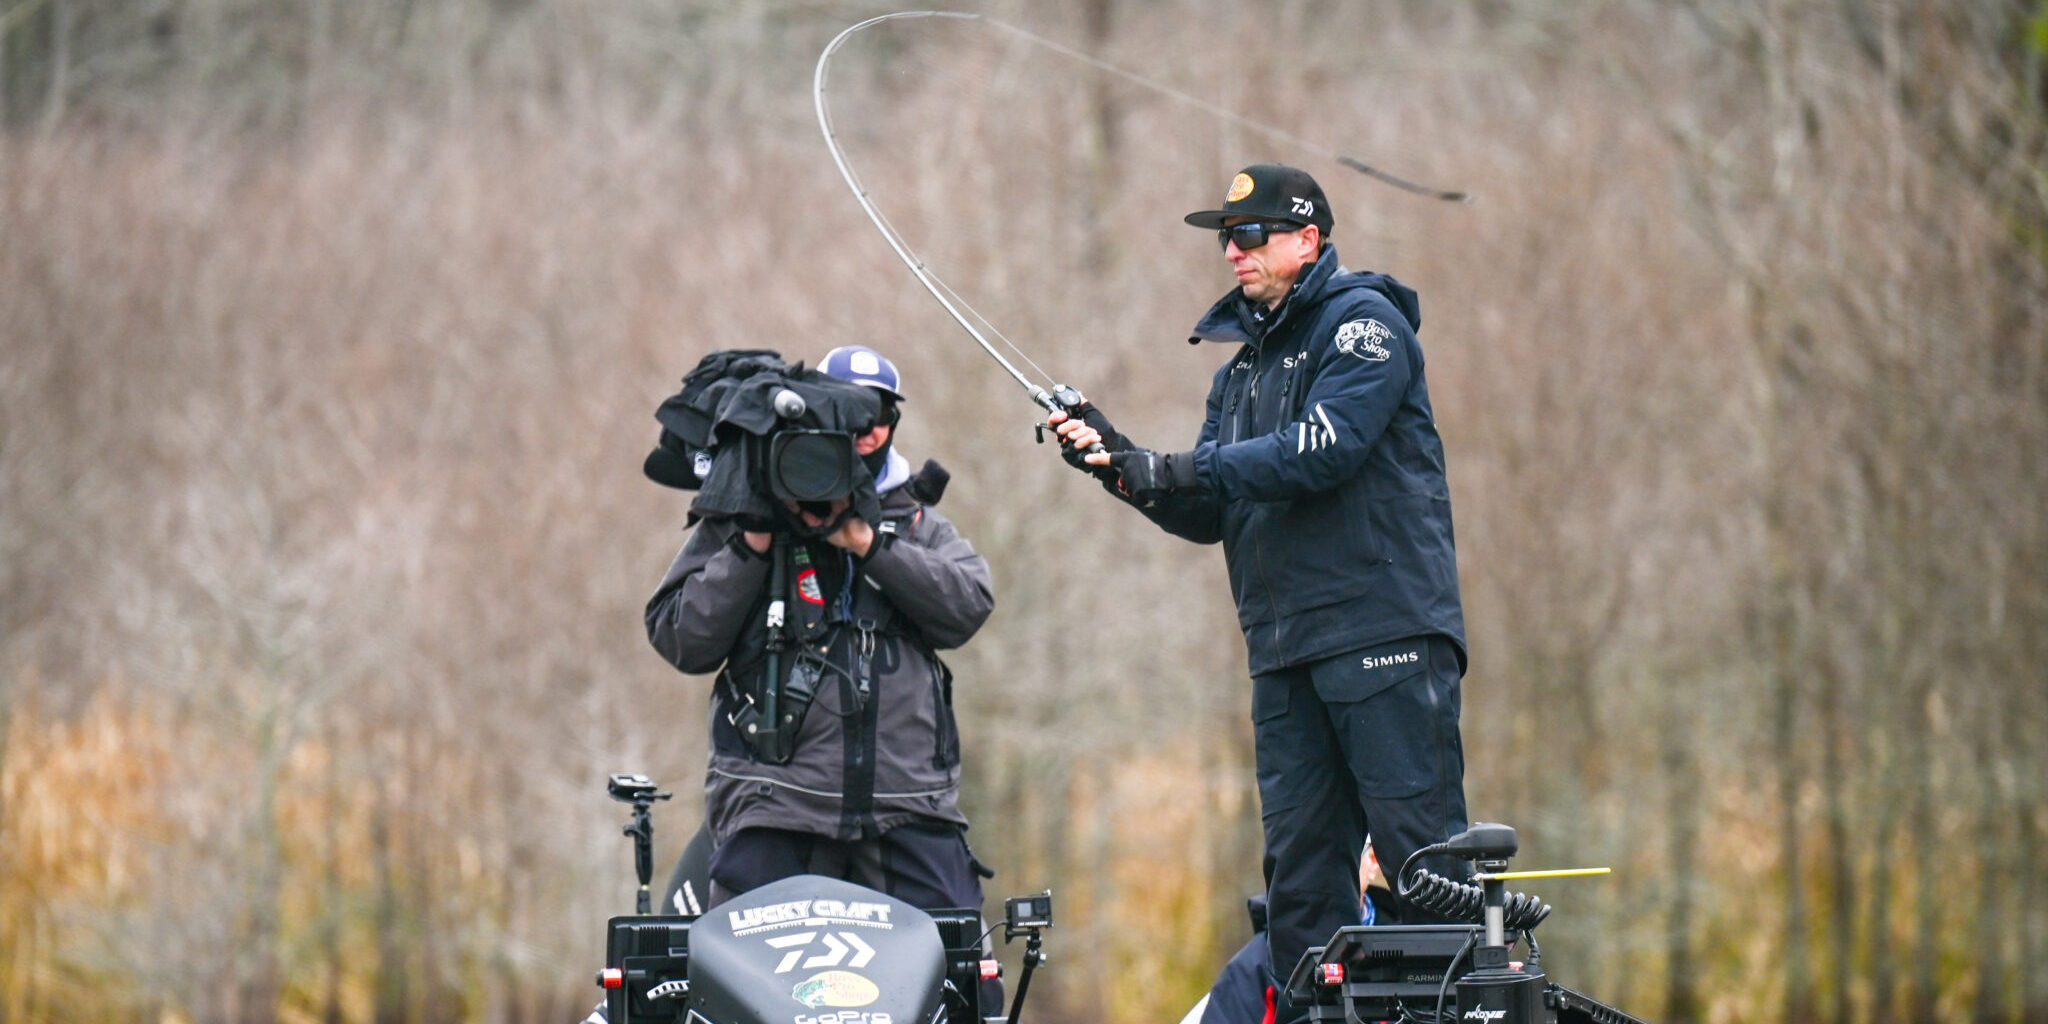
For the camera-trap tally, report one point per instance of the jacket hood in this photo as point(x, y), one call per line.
point(1404, 299)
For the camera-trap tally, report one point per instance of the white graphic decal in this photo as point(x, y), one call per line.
point(835, 951)
point(809, 914)
point(1314, 435)
point(1366, 339)
point(1384, 660)
point(837, 946)
point(799, 940)
point(686, 900)
point(843, 1017)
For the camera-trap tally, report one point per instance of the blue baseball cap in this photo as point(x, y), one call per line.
point(859, 364)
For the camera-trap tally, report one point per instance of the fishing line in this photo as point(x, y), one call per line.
point(1234, 117)
point(1060, 397)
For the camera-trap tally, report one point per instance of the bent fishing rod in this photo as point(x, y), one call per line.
point(1060, 397)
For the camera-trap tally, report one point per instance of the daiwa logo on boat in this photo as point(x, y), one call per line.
point(835, 988)
point(843, 948)
point(813, 911)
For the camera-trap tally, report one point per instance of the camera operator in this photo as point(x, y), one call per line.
point(867, 787)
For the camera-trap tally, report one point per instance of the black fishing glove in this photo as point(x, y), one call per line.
point(1145, 476)
point(1112, 441)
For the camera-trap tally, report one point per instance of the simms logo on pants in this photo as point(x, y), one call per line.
point(1384, 660)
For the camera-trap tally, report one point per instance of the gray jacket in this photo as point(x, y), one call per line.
point(878, 747)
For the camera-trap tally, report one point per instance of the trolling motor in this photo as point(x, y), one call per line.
point(1448, 973)
point(641, 792)
point(1498, 989)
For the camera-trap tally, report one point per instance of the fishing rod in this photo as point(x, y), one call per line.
point(1060, 397)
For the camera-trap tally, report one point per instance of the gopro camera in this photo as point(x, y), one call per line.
point(1025, 912)
point(630, 788)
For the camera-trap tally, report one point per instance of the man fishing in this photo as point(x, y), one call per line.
point(1319, 470)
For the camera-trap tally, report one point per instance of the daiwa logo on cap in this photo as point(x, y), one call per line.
point(1240, 187)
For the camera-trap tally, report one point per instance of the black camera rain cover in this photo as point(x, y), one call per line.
point(682, 457)
point(714, 431)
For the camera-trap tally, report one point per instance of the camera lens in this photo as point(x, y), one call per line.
point(811, 465)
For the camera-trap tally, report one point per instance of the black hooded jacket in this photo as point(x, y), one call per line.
point(1321, 472)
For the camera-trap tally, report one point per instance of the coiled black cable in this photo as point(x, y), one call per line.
point(1464, 901)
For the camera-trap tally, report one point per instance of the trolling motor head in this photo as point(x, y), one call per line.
point(1487, 844)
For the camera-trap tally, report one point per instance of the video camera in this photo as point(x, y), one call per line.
point(752, 434)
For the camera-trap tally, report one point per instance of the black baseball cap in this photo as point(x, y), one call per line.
point(1271, 192)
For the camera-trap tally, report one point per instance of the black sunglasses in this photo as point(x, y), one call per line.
point(1254, 234)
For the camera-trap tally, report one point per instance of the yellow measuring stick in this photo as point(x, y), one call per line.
point(1557, 873)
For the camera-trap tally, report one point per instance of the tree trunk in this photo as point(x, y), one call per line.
point(1841, 872)
point(1682, 811)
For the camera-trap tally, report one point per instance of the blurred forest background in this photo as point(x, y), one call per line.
point(331, 333)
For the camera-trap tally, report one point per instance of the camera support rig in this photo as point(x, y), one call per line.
point(641, 792)
point(1028, 916)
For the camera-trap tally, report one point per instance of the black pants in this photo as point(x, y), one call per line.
point(926, 866)
point(1357, 744)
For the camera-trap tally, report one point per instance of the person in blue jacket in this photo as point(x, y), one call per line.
point(1244, 992)
point(1319, 470)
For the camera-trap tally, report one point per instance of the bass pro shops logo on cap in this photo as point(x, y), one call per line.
point(1240, 187)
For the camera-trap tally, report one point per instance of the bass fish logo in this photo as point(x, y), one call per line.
point(1240, 187)
point(835, 988)
point(1366, 339)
